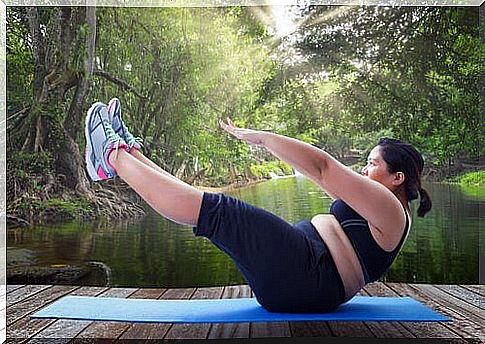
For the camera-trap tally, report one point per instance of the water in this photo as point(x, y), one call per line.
point(443, 247)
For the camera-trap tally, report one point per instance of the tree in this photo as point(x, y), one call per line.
point(413, 70)
point(59, 43)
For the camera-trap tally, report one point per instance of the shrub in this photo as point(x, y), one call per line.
point(266, 169)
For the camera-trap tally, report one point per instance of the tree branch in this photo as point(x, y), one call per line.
point(123, 84)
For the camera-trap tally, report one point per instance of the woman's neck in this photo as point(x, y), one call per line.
point(401, 196)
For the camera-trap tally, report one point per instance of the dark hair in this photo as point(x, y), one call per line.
point(403, 157)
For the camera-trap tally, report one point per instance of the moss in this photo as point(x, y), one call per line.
point(26, 163)
point(55, 209)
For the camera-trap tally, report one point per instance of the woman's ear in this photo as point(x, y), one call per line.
point(399, 178)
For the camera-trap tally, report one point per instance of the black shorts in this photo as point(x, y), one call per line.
point(288, 267)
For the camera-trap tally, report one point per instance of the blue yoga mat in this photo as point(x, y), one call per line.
point(359, 308)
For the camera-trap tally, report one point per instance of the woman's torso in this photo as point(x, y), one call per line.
point(344, 254)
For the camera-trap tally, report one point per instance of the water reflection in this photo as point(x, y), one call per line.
point(153, 252)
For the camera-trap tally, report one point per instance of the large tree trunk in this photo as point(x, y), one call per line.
point(70, 157)
point(73, 118)
point(52, 49)
point(69, 162)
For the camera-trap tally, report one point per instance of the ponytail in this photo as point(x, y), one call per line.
point(424, 203)
point(403, 157)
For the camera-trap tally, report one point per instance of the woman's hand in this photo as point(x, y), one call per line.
point(254, 137)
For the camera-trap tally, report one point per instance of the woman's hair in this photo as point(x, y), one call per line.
point(403, 157)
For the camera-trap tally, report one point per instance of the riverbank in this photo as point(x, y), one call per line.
point(116, 201)
point(230, 187)
point(470, 179)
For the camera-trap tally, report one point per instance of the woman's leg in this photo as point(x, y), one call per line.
point(168, 195)
point(139, 155)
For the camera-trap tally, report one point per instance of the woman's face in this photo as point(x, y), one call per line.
point(376, 169)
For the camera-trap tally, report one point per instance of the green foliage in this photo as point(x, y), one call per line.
point(412, 70)
point(20, 61)
point(195, 65)
point(471, 179)
point(364, 143)
point(404, 72)
point(271, 168)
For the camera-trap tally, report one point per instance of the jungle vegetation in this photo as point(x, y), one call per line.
point(344, 77)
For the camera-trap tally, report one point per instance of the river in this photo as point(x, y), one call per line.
point(443, 247)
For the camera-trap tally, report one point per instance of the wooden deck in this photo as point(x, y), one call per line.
point(462, 303)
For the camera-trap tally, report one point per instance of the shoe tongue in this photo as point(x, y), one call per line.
point(116, 124)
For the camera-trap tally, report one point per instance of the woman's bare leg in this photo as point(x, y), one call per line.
point(168, 195)
point(139, 155)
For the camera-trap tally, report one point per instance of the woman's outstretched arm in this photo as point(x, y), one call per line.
point(369, 198)
point(307, 159)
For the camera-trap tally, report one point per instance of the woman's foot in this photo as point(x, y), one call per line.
point(101, 140)
point(114, 111)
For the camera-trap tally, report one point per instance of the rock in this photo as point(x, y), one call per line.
point(55, 274)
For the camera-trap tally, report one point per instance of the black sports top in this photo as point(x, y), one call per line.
point(375, 261)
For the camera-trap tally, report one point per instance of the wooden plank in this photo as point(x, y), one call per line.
point(310, 329)
point(269, 329)
point(63, 328)
point(89, 291)
point(350, 329)
point(314, 328)
point(460, 327)
point(463, 294)
point(385, 329)
point(118, 292)
point(148, 293)
point(178, 293)
point(27, 327)
point(12, 287)
point(447, 300)
point(146, 331)
point(107, 329)
point(23, 293)
point(159, 330)
point(34, 302)
point(195, 331)
point(478, 289)
point(174, 294)
point(232, 330)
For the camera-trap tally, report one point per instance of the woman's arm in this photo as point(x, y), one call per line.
point(307, 159)
point(369, 198)
point(302, 156)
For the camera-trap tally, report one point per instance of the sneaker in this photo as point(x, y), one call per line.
point(101, 139)
point(114, 110)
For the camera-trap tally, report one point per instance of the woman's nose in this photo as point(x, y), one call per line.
point(364, 171)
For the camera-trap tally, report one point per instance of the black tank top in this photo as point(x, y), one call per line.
point(375, 261)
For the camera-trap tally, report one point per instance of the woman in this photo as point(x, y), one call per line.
point(312, 266)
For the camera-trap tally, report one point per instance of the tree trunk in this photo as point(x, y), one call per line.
point(73, 119)
point(70, 164)
point(53, 77)
point(38, 51)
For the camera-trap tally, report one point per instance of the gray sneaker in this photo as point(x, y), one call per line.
point(114, 110)
point(101, 139)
